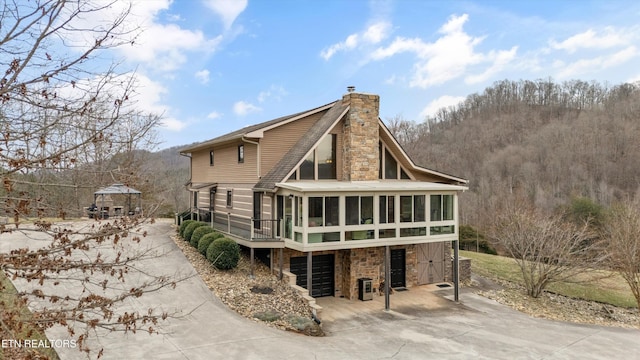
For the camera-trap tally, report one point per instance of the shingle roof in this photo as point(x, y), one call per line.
point(301, 148)
point(245, 130)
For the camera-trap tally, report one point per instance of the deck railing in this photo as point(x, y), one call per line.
point(265, 229)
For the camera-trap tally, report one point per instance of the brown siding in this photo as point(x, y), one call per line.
point(226, 167)
point(278, 141)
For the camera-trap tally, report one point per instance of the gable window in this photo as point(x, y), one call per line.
point(326, 154)
point(210, 157)
point(307, 168)
point(321, 162)
point(229, 198)
point(240, 153)
point(388, 165)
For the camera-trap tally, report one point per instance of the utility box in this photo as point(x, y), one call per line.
point(365, 289)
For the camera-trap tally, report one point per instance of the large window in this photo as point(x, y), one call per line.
point(441, 207)
point(326, 154)
point(412, 208)
point(321, 162)
point(359, 210)
point(307, 168)
point(387, 209)
point(323, 211)
point(390, 166)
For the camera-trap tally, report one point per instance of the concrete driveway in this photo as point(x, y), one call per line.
point(477, 328)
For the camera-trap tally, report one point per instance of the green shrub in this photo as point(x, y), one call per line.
point(183, 226)
point(191, 228)
point(198, 234)
point(223, 253)
point(206, 240)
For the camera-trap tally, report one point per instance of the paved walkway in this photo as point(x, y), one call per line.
point(477, 328)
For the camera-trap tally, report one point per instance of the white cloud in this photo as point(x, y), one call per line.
point(202, 76)
point(214, 115)
point(372, 35)
point(228, 10)
point(275, 92)
point(500, 60)
point(448, 57)
point(439, 103)
point(173, 124)
point(242, 108)
point(585, 66)
point(591, 40)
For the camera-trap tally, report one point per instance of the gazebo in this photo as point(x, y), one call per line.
point(117, 189)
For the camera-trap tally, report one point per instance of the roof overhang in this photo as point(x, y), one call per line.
point(368, 186)
point(117, 189)
point(199, 186)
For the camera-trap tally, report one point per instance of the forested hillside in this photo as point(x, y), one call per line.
point(539, 140)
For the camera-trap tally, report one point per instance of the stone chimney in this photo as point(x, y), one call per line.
point(360, 152)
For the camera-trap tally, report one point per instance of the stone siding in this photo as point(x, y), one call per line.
point(360, 152)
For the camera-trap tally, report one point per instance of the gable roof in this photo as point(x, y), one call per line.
point(300, 150)
point(253, 131)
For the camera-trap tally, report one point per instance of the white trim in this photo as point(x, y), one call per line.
point(416, 167)
point(367, 186)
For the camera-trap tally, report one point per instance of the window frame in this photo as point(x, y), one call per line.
point(241, 154)
point(230, 199)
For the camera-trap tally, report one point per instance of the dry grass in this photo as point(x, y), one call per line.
point(601, 286)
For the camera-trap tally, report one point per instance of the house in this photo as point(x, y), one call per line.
point(326, 194)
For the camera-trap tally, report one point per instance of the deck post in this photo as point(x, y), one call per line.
point(252, 260)
point(228, 223)
point(456, 270)
point(309, 267)
point(387, 276)
point(281, 261)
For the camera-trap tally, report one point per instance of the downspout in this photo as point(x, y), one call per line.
point(257, 144)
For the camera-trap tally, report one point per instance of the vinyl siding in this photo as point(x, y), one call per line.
point(278, 141)
point(226, 167)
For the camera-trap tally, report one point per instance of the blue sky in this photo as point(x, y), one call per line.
point(213, 66)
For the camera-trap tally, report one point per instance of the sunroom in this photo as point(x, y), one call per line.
point(325, 215)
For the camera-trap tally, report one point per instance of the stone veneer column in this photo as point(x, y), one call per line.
point(360, 151)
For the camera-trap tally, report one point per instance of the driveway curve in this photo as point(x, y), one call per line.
point(477, 328)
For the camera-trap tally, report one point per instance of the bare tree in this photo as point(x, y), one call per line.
point(546, 248)
point(623, 231)
point(61, 119)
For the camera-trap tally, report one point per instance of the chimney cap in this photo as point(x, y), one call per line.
point(351, 88)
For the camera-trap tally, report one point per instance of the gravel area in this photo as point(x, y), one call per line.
point(558, 307)
point(262, 298)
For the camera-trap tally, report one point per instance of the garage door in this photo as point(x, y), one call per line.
point(322, 274)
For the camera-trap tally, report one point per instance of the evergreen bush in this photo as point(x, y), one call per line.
point(188, 232)
point(224, 253)
point(206, 240)
point(198, 234)
point(183, 226)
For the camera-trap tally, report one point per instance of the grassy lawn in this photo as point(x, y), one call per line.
point(601, 286)
point(9, 298)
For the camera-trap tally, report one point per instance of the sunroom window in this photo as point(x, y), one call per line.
point(441, 207)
